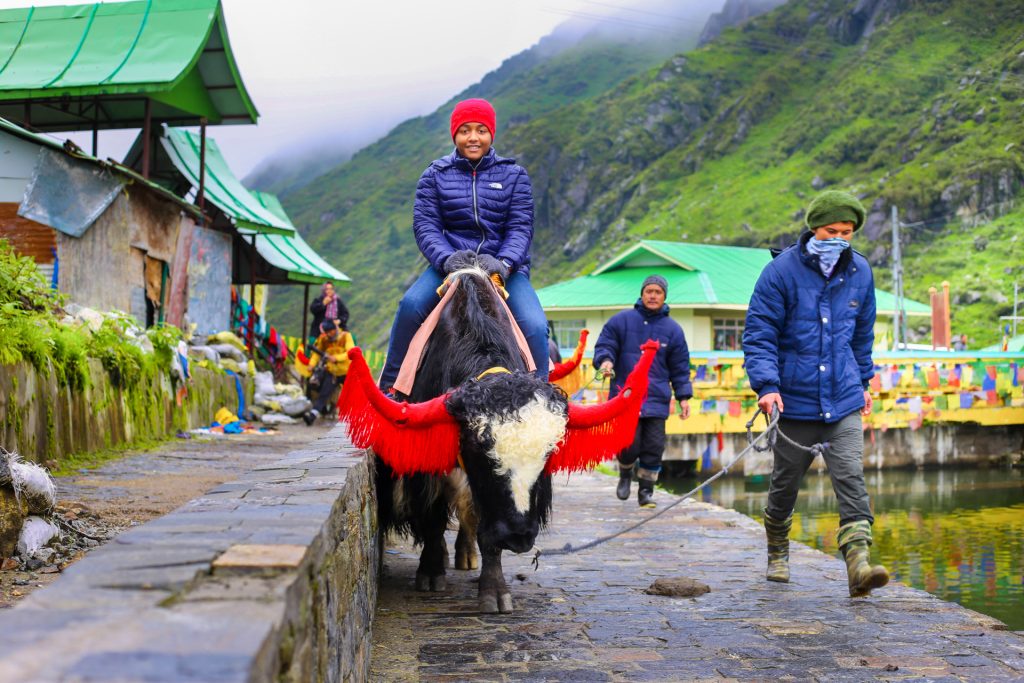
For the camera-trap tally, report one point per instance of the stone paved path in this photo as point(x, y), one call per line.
point(141, 485)
point(585, 617)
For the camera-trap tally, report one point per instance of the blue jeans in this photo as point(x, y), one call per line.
point(421, 298)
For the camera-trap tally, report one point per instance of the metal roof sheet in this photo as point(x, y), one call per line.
point(222, 187)
point(72, 150)
point(291, 253)
point(698, 276)
point(173, 51)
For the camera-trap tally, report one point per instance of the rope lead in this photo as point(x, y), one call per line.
point(769, 436)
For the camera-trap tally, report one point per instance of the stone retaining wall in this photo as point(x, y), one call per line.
point(933, 445)
point(44, 421)
point(272, 577)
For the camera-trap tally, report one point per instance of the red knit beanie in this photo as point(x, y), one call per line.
point(473, 111)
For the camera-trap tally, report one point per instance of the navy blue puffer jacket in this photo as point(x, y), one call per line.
point(620, 341)
point(809, 337)
point(488, 209)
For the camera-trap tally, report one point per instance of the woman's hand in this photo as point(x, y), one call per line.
point(684, 409)
point(869, 403)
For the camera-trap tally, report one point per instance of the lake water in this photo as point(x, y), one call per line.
point(958, 534)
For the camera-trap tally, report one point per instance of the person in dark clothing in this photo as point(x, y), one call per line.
point(617, 352)
point(807, 348)
point(327, 306)
point(471, 206)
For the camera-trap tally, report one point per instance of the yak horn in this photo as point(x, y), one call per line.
point(596, 433)
point(408, 437)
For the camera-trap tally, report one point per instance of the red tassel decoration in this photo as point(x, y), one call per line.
point(409, 437)
point(597, 433)
point(567, 366)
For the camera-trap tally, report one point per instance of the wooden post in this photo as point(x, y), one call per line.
point(201, 194)
point(252, 299)
point(946, 315)
point(146, 134)
point(304, 333)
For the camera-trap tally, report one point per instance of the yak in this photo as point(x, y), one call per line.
point(479, 435)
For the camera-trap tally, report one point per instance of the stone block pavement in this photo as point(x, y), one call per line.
point(585, 617)
point(268, 577)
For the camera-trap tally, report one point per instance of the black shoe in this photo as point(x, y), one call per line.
point(309, 417)
point(622, 490)
point(645, 496)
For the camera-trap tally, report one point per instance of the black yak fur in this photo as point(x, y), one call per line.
point(473, 335)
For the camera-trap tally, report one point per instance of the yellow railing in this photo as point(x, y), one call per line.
point(910, 389)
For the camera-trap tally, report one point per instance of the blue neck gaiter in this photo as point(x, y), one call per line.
point(828, 252)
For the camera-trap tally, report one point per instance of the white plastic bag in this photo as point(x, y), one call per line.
point(293, 406)
point(36, 532)
point(277, 419)
point(32, 484)
point(264, 386)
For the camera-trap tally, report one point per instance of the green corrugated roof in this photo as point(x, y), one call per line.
point(698, 275)
point(222, 187)
point(1013, 344)
point(175, 52)
point(290, 252)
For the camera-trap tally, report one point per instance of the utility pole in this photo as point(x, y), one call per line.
point(897, 282)
point(1015, 286)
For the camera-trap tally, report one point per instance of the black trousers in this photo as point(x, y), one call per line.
point(328, 383)
point(647, 448)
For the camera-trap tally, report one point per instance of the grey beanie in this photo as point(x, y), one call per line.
point(655, 280)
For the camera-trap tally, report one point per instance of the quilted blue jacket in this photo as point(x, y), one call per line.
point(809, 337)
point(620, 341)
point(488, 209)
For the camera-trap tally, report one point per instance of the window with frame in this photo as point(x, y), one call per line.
point(728, 334)
point(566, 333)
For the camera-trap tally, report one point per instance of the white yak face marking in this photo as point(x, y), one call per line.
point(521, 445)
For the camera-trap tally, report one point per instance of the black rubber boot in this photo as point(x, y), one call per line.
point(625, 477)
point(645, 494)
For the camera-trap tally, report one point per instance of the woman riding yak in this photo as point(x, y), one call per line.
point(472, 206)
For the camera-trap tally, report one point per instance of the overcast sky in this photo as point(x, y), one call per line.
point(319, 69)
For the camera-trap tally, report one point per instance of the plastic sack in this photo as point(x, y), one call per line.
point(225, 416)
point(277, 419)
point(294, 406)
point(36, 532)
point(179, 362)
point(230, 364)
point(32, 484)
point(204, 353)
point(229, 351)
point(293, 390)
point(227, 338)
point(264, 384)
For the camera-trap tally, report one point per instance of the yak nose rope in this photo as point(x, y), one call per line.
point(769, 436)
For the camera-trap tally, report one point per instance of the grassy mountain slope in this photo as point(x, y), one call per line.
point(359, 214)
point(925, 112)
point(920, 104)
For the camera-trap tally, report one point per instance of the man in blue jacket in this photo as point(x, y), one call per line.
point(618, 351)
point(472, 206)
point(807, 347)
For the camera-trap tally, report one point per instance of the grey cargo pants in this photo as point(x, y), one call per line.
point(844, 459)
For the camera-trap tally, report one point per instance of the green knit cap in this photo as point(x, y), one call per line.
point(833, 206)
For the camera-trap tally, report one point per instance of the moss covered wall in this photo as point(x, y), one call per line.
point(44, 421)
